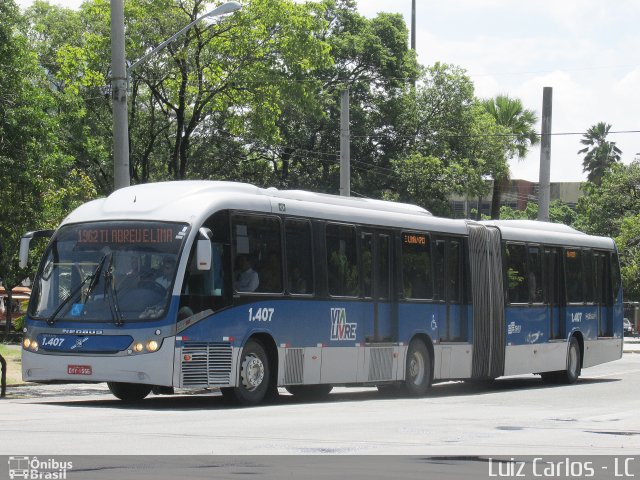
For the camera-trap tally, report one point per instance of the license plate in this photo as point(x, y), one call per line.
point(79, 369)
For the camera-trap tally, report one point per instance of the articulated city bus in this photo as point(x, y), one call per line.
point(200, 284)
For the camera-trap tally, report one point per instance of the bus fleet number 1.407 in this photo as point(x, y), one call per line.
point(261, 314)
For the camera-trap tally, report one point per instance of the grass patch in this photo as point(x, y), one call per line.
point(12, 354)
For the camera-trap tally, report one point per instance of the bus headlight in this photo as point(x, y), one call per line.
point(26, 343)
point(152, 345)
point(138, 347)
point(34, 346)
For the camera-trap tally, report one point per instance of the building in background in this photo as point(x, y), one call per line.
point(518, 194)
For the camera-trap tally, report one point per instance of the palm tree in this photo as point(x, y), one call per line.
point(518, 123)
point(600, 154)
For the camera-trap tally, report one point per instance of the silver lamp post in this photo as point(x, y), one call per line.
point(119, 83)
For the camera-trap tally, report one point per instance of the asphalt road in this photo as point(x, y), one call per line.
point(514, 416)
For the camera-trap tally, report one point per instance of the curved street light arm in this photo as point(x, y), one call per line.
point(221, 10)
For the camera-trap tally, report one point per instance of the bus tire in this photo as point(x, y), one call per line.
point(309, 392)
point(253, 384)
point(574, 367)
point(418, 369)
point(129, 392)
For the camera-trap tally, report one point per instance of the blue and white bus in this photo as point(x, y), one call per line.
point(202, 284)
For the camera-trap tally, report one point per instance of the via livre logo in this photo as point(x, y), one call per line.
point(340, 329)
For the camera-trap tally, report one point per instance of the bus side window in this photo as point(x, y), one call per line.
point(342, 260)
point(417, 276)
point(589, 277)
point(256, 240)
point(454, 270)
point(438, 271)
point(366, 254)
point(299, 256)
point(616, 281)
point(517, 281)
point(535, 275)
point(574, 275)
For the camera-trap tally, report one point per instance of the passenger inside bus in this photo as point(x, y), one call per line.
point(246, 277)
point(297, 283)
point(271, 274)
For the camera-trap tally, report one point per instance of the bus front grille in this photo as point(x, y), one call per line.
point(206, 364)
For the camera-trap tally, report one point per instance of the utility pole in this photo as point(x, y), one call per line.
point(345, 148)
point(120, 79)
point(413, 25)
point(119, 98)
point(544, 185)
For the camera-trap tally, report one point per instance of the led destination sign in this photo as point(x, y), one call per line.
point(120, 235)
point(414, 239)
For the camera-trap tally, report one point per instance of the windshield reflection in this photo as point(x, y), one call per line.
point(112, 276)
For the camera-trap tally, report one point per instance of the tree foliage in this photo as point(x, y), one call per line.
point(447, 142)
point(600, 154)
point(518, 123)
point(559, 212)
point(628, 243)
point(602, 208)
point(30, 160)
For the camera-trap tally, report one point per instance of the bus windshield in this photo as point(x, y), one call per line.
point(108, 272)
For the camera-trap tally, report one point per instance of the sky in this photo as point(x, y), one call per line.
point(588, 51)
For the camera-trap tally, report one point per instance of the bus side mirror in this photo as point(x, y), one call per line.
point(203, 249)
point(26, 240)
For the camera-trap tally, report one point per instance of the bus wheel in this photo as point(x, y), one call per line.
point(129, 392)
point(571, 374)
point(418, 370)
point(309, 392)
point(254, 374)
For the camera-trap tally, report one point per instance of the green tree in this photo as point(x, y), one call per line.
point(445, 134)
point(628, 243)
point(600, 153)
point(73, 49)
point(602, 208)
point(199, 108)
point(519, 124)
point(559, 212)
point(29, 156)
point(611, 210)
point(371, 58)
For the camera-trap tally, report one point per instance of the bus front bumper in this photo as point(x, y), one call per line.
point(149, 368)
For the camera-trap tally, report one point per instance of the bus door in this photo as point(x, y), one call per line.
point(376, 277)
point(553, 292)
point(448, 266)
point(448, 300)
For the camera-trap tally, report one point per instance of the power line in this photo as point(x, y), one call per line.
point(491, 135)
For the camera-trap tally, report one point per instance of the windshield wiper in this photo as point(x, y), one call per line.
point(114, 304)
point(93, 277)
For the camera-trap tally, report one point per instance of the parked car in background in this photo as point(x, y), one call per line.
point(627, 328)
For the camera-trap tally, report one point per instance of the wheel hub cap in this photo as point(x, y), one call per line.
point(252, 372)
point(416, 368)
